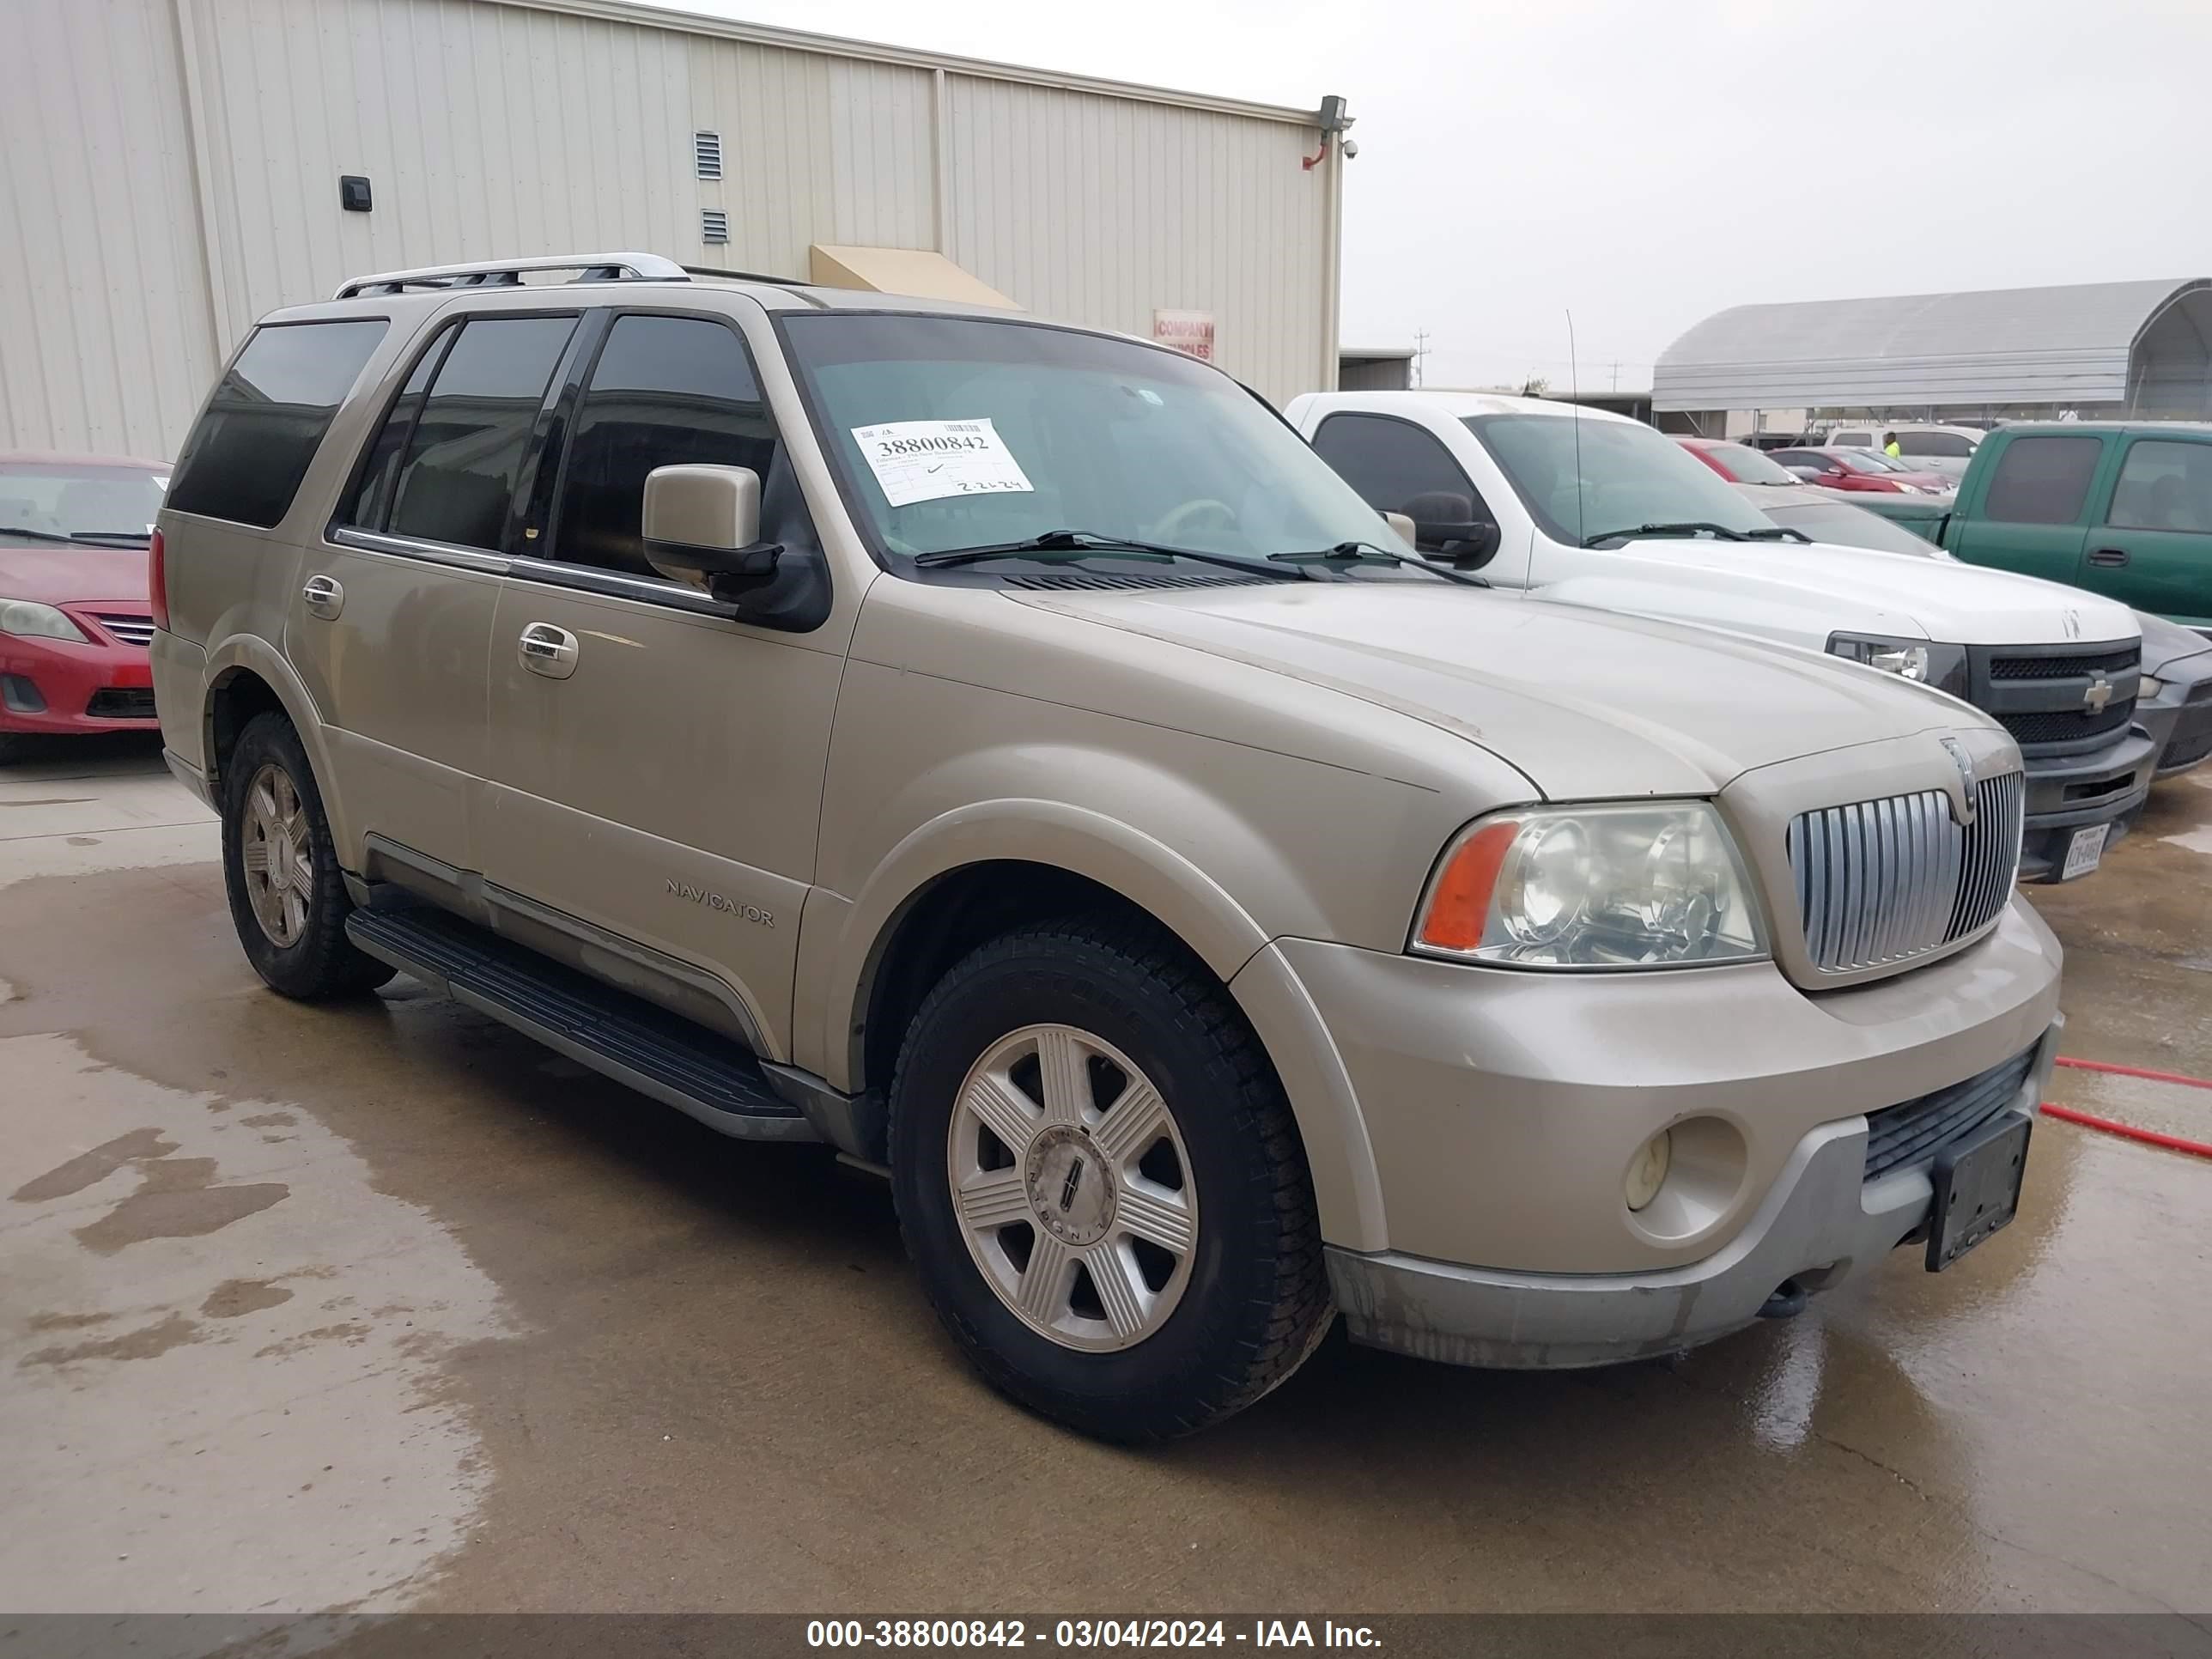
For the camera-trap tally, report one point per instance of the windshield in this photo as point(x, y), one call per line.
point(1748, 465)
point(1630, 475)
point(93, 503)
point(1852, 526)
point(954, 433)
point(1867, 460)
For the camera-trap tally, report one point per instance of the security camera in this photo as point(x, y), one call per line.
point(1350, 149)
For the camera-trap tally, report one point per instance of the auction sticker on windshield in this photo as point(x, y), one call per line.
point(928, 460)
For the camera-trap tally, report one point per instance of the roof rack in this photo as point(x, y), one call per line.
point(507, 273)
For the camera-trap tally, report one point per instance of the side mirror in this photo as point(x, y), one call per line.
point(1402, 525)
point(1445, 527)
point(704, 521)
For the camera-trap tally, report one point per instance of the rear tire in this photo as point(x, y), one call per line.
point(1185, 1275)
point(288, 896)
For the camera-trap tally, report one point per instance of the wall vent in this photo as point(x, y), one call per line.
point(707, 150)
point(713, 225)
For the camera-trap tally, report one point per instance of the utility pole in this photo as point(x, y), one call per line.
point(1616, 375)
point(1420, 351)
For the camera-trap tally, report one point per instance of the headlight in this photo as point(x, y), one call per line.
point(2148, 687)
point(33, 621)
point(1943, 666)
point(1610, 886)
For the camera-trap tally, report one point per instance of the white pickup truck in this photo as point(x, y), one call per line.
point(1593, 508)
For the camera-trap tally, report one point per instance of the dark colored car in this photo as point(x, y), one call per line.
point(1857, 470)
point(75, 622)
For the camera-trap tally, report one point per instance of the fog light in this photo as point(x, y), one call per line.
point(21, 695)
point(1647, 1171)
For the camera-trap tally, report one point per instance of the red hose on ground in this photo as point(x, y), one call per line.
point(2135, 1070)
point(2149, 1136)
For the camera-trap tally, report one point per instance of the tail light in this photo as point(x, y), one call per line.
point(157, 580)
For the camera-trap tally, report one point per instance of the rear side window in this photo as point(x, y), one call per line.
point(1851, 440)
point(1949, 445)
point(1398, 467)
point(244, 459)
point(2165, 486)
point(465, 440)
point(2042, 480)
point(667, 391)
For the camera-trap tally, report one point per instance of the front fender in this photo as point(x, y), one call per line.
point(842, 942)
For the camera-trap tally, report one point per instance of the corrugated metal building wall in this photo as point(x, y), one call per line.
point(169, 168)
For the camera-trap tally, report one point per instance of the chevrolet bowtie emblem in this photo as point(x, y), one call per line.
point(2098, 694)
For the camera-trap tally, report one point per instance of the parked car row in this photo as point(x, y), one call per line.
point(1008, 754)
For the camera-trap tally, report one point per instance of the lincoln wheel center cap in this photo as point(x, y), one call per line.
point(1070, 1187)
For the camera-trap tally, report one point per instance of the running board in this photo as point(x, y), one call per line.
point(654, 1051)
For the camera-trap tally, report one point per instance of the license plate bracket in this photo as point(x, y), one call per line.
point(2085, 850)
point(1977, 1183)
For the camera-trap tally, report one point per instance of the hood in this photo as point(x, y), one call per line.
point(53, 575)
point(2166, 643)
point(1587, 706)
point(1819, 588)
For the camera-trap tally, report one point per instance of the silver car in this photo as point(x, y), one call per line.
point(1005, 754)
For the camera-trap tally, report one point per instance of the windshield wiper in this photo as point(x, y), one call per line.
point(1372, 553)
point(137, 538)
point(1781, 533)
point(1080, 542)
point(1683, 527)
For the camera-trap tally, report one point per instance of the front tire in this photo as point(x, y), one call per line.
point(280, 867)
point(1100, 1181)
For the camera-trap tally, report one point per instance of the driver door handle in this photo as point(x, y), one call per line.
point(547, 650)
point(322, 597)
point(2109, 558)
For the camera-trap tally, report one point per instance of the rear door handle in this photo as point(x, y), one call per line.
point(547, 650)
point(322, 597)
point(2110, 558)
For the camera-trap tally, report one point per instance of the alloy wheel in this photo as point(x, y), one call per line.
point(1072, 1188)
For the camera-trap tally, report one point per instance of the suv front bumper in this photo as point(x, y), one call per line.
point(1503, 1110)
point(1821, 1222)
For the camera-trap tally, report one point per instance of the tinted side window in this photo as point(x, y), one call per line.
point(2042, 480)
point(372, 497)
point(244, 459)
point(465, 451)
point(1851, 440)
point(2165, 486)
point(1949, 444)
point(1397, 467)
point(667, 391)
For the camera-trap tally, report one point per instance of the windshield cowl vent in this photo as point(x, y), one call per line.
point(1226, 579)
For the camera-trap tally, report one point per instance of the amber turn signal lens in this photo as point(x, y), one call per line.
point(1459, 905)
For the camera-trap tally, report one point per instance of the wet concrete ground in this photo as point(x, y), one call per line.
point(384, 1307)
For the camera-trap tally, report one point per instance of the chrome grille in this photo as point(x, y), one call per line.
point(1880, 881)
point(131, 630)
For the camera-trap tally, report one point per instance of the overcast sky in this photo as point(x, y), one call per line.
point(1647, 162)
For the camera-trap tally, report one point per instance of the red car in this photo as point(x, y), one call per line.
point(74, 623)
point(1739, 463)
point(1863, 470)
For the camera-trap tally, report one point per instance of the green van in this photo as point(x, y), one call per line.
point(2123, 508)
